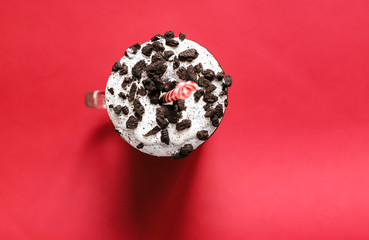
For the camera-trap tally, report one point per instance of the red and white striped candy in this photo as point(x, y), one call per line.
point(182, 91)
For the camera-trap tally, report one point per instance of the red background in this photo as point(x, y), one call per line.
point(289, 161)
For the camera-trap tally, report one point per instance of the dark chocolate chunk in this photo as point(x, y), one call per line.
point(117, 66)
point(111, 90)
point(135, 47)
point(227, 80)
point(124, 69)
point(171, 42)
point(118, 131)
point(149, 85)
point(156, 69)
point(156, 37)
point(111, 105)
point(157, 57)
point(186, 123)
point(132, 122)
point(167, 86)
point(176, 63)
point(117, 109)
point(226, 102)
point(141, 91)
point(208, 74)
point(153, 131)
point(168, 54)
point(182, 73)
point(219, 110)
point(198, 94)
point(158, 46)
point(214, 120)
point(138, 68)
point(198, 68)
point(202, 135)
point(182, 36)
point(210, 98)
point(188, 55)
point(140, 145)
point(202, 82)
point(169, 34)
point(125, 110)
point(165, 136)
point(210, 88)
point(132, 92)
point(220, 76)
point(147, 50)
point(161, 121)
point(186, 150)
point(181, 104)
point(138, 108)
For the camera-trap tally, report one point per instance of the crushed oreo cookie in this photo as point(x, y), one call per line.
point(117, 109)
point(227, 80)
point(123, 70)
point(188, 55)
point(219, 110)
point(161, 121)
point(208, 74)
point(138, 108)
point(117, 66)
point(125, 110)
point(111, 90)
point(135, 47)
point(158, 46)
point(198, 68)
point(132, 92)
point(215, 120)
point(182, 73)
point(226, 102)
point(169, 34)
point(167, 86)
point(176, 63)
point(111, 105)
point(140, 145)
point(181, 104)
point(191, 74)
point(186, 123)
point(147, 50)
point(156, 37)
point(184, 151)
point(138, 68)
point(168, 54)
point(207, 106)
point(198, 94)
point(210, 98)
point(153, 131)
point(141, 91)
point(156, 69)
point(164, 136)
point(157, 57)
point(182, 36)
point(202, 82)
point(132, 122)
point(210, 88)
point(219, 76)
point(202, 135)
point(171, 42)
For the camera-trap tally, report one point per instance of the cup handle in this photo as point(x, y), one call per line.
point(95, 99)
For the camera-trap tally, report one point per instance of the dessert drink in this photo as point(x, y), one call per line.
point(135, 89)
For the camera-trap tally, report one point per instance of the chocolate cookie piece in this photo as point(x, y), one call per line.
point(153, 131)
point(156, 37)
point(188, 55)
point(207, 106)
point(227, 80)
point(117, 109)
point(210, 88)
point(171, 42)
point(141, 91)
point(132, 122)
point(154, 97)
point(147, 50)
point(183, 152)
point(210, 98)
point(226, 102)
point(125, 82)
point(125, 110)
point(157, 57)
point(149, 85)
point(123, 70)
point(191, 74)
point(208, 74)
point(164, 136)
point(182, 36)
point(138, 68)
point(219, 76)
point(161, 121)
point(202, 135)
point(135, 47)
point(181, 104)
point(156, 69)
point(219, 110)
point(169, 34)
point(202, 82)
point(198, 94)
point(182, 73)
point(111, 105)
point(186, 123)
point(167, 86)
point(168, 54)
point(138, 107)
point(176, 63)
point(132, 92)
point(158, 46)
point(198, 68)
point(111, 90)
point(209, 112)
point(140, 145)
point(117, 66)
point(118, 131)
point(215, 120)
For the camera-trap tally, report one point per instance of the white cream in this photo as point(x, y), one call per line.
point(194, 111)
